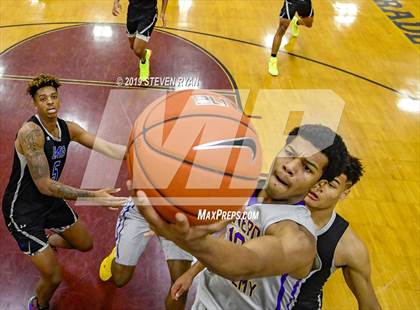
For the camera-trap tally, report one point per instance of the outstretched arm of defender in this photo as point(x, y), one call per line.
point(79, 135)
point(357, 275)
point(31, 140)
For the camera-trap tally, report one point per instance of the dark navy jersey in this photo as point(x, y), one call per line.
point(310, 293)
point(21, 190)
point(143, 4)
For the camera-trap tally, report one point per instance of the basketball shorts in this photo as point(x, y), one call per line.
point(302, 7)
point(131, 242)
point(28, 228)
point(141, 22)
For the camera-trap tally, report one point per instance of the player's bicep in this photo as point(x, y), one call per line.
point(80, 135)
point(31, 140)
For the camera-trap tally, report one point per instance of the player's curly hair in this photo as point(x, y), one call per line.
point(328, 142)
point(40, 81)
point(353, 170)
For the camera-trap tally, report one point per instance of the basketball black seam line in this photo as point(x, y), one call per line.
point(143, 132)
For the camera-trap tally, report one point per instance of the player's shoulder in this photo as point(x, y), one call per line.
point(350, 248)
point(29, 128)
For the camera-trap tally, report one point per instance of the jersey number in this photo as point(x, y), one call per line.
point(55, 172)
point(235, 238)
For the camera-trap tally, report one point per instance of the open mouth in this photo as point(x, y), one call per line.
point(313, 196)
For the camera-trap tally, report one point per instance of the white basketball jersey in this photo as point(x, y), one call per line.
point(278, 292)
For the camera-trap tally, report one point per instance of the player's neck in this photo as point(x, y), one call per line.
point(265, 198)
point(321, 217)
point(49, 123)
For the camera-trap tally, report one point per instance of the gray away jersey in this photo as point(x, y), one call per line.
point(278, 292)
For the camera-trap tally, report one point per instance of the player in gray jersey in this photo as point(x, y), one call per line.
point(262, 255)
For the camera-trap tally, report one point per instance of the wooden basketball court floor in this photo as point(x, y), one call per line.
point(355, 61)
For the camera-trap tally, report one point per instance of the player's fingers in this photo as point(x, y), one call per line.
point(149, 233)
point(182, 224)
point(112, 190)
point(174, 290)
point(148, 212)
point(215, 227)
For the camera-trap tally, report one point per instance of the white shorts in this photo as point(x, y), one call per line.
point(131, 242)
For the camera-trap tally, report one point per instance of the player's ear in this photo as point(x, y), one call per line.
point(345, 193)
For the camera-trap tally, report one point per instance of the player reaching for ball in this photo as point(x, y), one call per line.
point(141, 19)
point(33, 200)
point(337, 245)
point(258, 262)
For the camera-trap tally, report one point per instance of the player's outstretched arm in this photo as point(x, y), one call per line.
point(286, 248)
point(113, 150)
point(357, 272)
point(31, 140)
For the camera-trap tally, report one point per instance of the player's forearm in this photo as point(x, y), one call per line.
point(217, 255)
point(164, 5)
point(196, 269)
point(113, 150)
point(60, 190)
point(369, 301)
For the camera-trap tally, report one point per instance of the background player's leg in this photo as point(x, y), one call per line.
point(139, 48)
point(121, 274)
point(47, 264)
point(55, 240)
point(176, 269)
point(78, 237)
point(281, 30)
point(305, 21)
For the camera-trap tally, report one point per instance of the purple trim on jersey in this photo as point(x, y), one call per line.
point(253, 199)
point(293, 292)
point(281, 292)
point(122, 223)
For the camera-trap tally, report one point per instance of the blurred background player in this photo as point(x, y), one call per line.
point(130, 242)
point(141, 19)
point(337, 246)
point(287, 15)
point(34, 198)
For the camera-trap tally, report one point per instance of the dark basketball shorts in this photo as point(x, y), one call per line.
point(302, 7)
point(28, 228)
point(141, 22)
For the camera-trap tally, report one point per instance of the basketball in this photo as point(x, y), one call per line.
point(193, 151)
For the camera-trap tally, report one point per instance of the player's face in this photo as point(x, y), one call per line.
point(47, 102)
point(325, 195)
point(297, 167)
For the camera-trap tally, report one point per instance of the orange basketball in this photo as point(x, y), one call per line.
point(194, 152)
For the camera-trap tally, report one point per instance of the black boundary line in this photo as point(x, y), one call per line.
point(225, 38)
point(99, 83)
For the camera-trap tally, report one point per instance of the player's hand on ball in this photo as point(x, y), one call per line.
point(116, 8)
point(181, 285)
